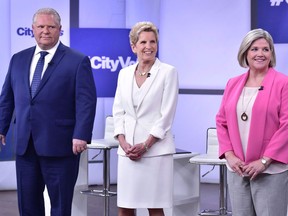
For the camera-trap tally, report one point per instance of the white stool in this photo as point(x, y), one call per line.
point(211, 158)
point(105, 145)
point(207, 160)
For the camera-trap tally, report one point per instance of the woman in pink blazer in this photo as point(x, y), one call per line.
point(143, 113)
point(252, 128)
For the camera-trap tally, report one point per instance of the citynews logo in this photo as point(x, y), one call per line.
point(277, 2)
point(105, 62)
point(25, 31)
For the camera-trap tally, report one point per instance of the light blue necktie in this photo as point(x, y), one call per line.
point(38, 72)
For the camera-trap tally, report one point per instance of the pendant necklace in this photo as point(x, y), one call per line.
point(142, 73)
point(244, 116)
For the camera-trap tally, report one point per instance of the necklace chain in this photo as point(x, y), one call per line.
point(142, 73)
point(244, 115)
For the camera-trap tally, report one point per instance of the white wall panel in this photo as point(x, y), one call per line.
point(102, 14)
point(142, 10)
point(194, 115)
point(281, 57)
point(5, 38)
point(201, 38)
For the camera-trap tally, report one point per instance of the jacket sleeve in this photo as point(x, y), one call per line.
point(118, 111)
point(6, 102)
point(277, 148)
point(168, 106)
point(222, 127)
point(85, 98)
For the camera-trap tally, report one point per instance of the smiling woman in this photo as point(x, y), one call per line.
point(252, 128)
point(143, 126)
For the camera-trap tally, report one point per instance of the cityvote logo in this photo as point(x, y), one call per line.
point(277, 2)
point(108, 50)
point(105, 62)
point(26, 31)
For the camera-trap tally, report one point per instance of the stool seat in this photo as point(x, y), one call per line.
point(207, 159)
point(103, 144)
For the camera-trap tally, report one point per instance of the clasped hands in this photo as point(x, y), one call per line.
point(251, 170)
point(134, 152)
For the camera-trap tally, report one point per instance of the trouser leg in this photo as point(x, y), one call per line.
point(240, 195)
point(30, 184)
point(270, 194)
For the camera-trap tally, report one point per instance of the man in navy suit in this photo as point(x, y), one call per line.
point(54, 124)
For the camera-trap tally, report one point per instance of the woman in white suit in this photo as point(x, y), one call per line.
point(143, 111)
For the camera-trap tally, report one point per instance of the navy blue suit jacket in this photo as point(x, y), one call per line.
point(62, 109)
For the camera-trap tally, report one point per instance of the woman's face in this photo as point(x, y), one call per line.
point(146, 47)
point(259, 55)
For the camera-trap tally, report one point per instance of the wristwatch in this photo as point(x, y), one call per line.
point(264, 161)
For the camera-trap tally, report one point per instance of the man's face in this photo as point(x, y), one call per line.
point(46, 31)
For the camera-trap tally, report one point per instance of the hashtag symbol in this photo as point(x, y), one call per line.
point(276, 2)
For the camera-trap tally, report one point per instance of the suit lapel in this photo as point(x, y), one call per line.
point(26, 69)
point(149, 81)
point(129, 76)
point(259, 113)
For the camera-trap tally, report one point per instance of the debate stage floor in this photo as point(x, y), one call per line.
point(209, 199)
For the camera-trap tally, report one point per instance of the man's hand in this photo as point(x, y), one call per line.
point(79, 146)
point(2, 140)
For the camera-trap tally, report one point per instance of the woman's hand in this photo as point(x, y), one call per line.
point(235, 163)
point(125, 146)
point(255, 167)
point(136, 151)
point(129, 150)
point(122, 142)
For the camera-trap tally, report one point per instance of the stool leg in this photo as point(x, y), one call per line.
point(223, 190)
point(105, 192)
point(106, 180)
point(106, 205)
point(106, 171)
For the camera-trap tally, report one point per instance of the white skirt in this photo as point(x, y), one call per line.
point(147, 183)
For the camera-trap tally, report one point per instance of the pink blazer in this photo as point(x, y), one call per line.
point(268, 134)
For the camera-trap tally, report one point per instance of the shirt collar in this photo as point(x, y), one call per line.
point(50, 51)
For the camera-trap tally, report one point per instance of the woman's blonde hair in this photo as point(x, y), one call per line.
point(250, 37)
point(142, 27)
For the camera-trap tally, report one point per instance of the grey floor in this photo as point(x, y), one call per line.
point(209, 199)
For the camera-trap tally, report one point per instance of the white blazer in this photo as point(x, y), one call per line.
point(155, 112)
